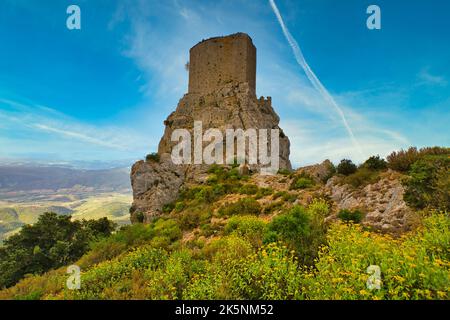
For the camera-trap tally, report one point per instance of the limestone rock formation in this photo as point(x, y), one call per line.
point(234, 106)
point(153, 186)
point(222, 95)
point(382, 201)
point(319, 172)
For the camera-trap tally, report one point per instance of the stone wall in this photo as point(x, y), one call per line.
point(218, 61)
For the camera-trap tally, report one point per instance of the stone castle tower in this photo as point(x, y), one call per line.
point(218, 61)
point(222, 95)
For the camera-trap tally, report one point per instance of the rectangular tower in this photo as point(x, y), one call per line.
point(221, 60)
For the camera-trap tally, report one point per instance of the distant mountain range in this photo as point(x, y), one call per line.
point(71, 164)
point(25, 178)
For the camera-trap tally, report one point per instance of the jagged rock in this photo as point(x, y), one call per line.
point(319, 172)
point(234, 106)
point(382, 202)
point(154, 185)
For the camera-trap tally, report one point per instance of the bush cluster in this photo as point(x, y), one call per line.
point(242, 206)
point(346, 215)
point(152, 157)
point(53, 241)
point(428, 183)
point(402, 160)
point(375, 163)
point(346, 167)
point(302, 181)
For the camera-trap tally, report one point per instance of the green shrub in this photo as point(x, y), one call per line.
point(301, 228)
point(402, 160)
point(286, 196)
point(272, 273)
point(348, 215)
point(169, 229)
point(284, 172)
point(193, 217)
point(216, 169)
point(200, 194)
point(248, 227)
point(301, 181)
point(292, 227)
point(138, 216)
point(179, 206)
point(226, 250)
point(152, 157)
point(126, 238)
point(428, 183)
point(248, 189)
point(319, 208)
point(263, 192)
point(361, 177)
point(273, 206)
point(242, 206)
point(346, 167)
point(169, 281)
point(53, 241)
point(212, 179)
point(167, 208)
point(108, 277)
point(375, 163)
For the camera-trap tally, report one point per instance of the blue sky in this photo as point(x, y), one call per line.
point(102, 92)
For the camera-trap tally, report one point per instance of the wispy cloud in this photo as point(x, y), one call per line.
point(426, 78)
point(78, 136)
point(34, 120)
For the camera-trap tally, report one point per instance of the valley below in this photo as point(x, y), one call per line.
point(83, 194)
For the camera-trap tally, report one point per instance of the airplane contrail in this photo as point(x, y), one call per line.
point(311, 75)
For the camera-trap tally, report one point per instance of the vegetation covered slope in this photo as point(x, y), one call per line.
point(233, 239)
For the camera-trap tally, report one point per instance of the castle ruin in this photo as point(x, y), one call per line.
point(222, 95)
point(221, 60)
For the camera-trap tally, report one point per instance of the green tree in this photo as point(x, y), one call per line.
point(53, 241)
point(428, 184)
point(375, 163)
point(346, 167)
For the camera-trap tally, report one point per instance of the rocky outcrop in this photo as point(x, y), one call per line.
point(319, 172)
point(234, 106)
point(382, 202)
point(222, 95)
point(154, 185)
point(157, 183)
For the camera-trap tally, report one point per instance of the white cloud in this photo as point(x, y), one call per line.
point(426, 78)
point(33, 121)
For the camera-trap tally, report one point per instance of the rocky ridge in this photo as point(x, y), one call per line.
point(156, 183)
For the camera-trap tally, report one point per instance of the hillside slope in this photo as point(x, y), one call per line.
point(300, 235)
